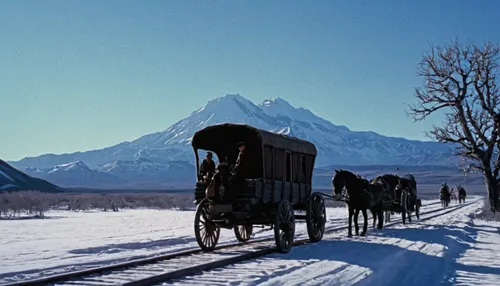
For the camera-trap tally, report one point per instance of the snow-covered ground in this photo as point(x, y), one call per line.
point(68, 241)
point(451, 249)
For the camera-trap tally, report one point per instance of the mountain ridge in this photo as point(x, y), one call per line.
point(170, 144)
point(336, 144)
point(12, 179)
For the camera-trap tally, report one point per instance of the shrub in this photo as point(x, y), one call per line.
point(35, 203)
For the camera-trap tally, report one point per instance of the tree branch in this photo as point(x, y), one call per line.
point(462, 82)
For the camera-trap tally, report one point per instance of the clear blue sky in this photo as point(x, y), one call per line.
point(80, 75)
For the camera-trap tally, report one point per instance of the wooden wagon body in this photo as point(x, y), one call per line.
point(280, 171)
point(282, 166)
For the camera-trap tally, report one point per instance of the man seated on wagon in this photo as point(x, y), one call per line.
point(219, 180)
point(240, 170)
point(207, 167)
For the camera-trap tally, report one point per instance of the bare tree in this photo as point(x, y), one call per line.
point(461, 82)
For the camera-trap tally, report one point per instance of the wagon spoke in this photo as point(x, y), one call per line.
point(204, 237)
point(243, 231)
point(209, 239)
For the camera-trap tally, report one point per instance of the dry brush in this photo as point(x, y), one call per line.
point(35, 203)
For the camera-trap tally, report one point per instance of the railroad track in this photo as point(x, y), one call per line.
point(162, 268)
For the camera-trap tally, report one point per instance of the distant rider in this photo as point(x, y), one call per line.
point(445, 191)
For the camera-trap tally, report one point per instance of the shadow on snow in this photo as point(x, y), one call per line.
point(119, 247)
point(396, 265)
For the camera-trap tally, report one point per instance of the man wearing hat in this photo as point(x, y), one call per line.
point(240, 161)
point(207, 166)
point(239, 171)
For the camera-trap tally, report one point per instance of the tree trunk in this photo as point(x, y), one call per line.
point(491, 186)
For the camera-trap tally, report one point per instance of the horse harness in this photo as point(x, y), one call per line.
point(345, 193)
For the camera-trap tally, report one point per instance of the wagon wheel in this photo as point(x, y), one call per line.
point(315, 217)
point(284, 226)
point(206, 232)
point(243, 232)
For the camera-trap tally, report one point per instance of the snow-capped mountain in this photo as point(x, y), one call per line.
point(12, 179)
point(78, 174)
point(146, 172)
point(335, 144)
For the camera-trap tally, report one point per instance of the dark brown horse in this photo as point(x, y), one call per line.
point(359, 195)
point(400, 196)
point(444, 196)
point(461, 194)
point(407, 189)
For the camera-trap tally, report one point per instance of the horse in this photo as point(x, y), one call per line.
point(444, 196)
point(359, 195)
point(461, 194)
point(406, 192)
point(400, 196)
point(389, 182)
point(453, 195)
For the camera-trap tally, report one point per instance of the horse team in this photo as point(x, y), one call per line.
point(387, 194)
point(445, 195)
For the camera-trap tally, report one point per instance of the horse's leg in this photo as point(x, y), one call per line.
point(410, 209)
point(349, 231)
point(365, 222)
point(356, 226)
point(380, 217)
point(374, 215)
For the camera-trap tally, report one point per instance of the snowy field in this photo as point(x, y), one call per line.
point(452, 249)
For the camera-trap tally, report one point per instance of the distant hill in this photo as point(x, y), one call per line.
point(12, 179)
point(138, 174)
